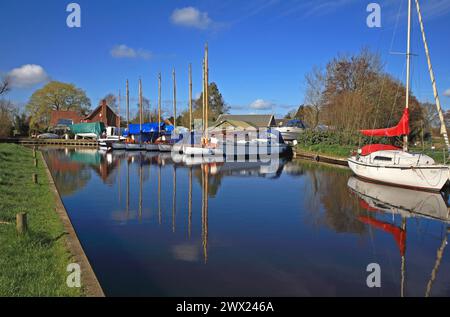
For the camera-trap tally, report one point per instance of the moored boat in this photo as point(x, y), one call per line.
point(134, 147)
point(151, 147)
point(119, 146)
point(390, 165)
point(165, 147)
point(396, 166)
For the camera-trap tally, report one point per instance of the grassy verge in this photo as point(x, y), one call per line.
point(33, 264)
point(343, 151)
point(335, 150)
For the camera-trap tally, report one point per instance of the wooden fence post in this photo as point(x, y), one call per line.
point(21, 222)
point(35, 179)
point(35, 162)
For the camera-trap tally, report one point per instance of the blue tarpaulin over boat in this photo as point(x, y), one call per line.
point(148, 128)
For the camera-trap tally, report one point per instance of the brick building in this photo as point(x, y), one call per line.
point(103, 113)
point(64, 118)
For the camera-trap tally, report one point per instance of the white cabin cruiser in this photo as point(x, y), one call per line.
point(292, 130)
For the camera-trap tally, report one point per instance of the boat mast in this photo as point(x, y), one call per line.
point(159, 104)
point(118, 112)
point(190, 97)
point(140, 110)
point(203, 100)
point(206, 91)
point(433, 81)
point(408, 62)
point(174, 101)
point(128, 108)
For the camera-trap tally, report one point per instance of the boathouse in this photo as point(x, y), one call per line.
point(103, 113)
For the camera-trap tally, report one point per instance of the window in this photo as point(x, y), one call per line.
point(382, 158)
point(65, 122)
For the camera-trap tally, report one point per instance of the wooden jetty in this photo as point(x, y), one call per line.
point(60, 142)
point(321, 157)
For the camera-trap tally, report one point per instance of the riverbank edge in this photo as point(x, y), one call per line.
point(319, 157)
point(90, 283)
point(57, 142)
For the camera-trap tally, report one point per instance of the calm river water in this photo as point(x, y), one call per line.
point(154, 227)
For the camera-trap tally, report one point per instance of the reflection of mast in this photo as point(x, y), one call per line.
point(205, 211)
point(403, 267)
point(440, 253)
point(140, 187)
point(118, 182)
point(128, 189)
point(159, 194)
point(190, 203)
point(174, 197)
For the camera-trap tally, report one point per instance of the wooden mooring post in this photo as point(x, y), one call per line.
point(34, 151)
point(35, 162)
point(21, 223)
point(34, 178)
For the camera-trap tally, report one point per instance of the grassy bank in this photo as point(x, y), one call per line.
point(343, 151)
point(334, 150)
point(33, 264)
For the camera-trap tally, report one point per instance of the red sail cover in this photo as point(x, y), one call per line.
point(370, 148)
point(402, 128)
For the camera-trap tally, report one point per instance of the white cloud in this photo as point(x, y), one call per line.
point(191, 17)
point(447, 93)
point(27, 75)
point(260, 104)
point(123, 51)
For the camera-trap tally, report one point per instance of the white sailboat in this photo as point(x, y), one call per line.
point(396, 166)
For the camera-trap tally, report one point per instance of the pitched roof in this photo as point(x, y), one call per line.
point(59, 116)
point(256, 120)
point(234, 123)
point(102, 104)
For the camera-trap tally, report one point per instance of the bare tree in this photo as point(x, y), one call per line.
point(4, 86)
point(6, 118)
point(315, 87)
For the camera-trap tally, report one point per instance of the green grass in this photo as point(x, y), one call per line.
point(33, 264)
point(335, 150)
point(343, 151)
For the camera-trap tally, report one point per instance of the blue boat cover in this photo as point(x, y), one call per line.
point(148, 128)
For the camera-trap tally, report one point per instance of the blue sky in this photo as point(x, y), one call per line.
point(259, 50)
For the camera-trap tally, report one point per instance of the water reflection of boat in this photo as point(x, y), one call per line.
point(407, 202)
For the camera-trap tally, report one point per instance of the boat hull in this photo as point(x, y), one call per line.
point(118, 146)
point(200, 151)
point(290, 134)
point(152, 147)
point(134, 147)
point(431, 177)
point(165, 147)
